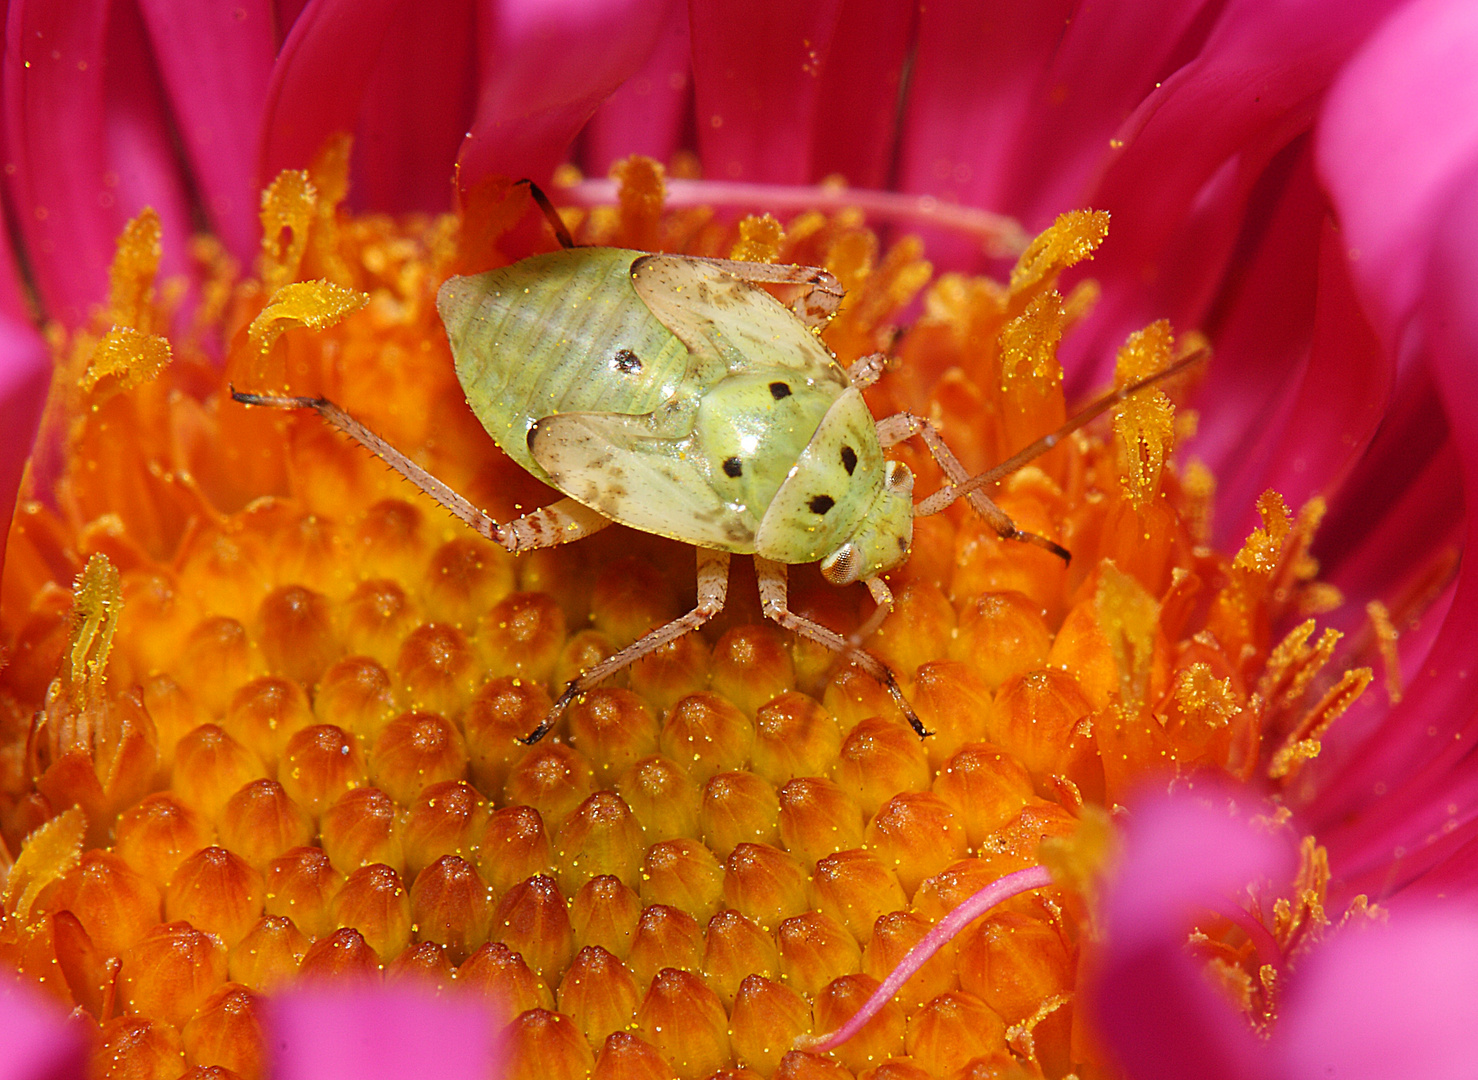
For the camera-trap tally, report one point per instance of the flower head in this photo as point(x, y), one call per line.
point(262, 698)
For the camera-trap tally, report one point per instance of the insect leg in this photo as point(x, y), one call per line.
point(866, 370)
point(900, 426)
point(560, 523)
point(713, 589)
point(772, 578)
point(821, 293)
point(882, 596)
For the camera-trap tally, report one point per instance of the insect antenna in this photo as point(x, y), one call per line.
point(950, 492)
point(551, 215)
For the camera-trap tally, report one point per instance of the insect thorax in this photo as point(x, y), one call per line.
point(833, 487)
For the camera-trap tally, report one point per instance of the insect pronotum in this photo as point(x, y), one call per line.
point(675, 395)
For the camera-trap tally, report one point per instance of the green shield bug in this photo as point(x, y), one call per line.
point(678, 396)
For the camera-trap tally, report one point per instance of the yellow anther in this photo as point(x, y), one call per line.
point(49, 852)
point(1259, 555)
point(1128, 616)
point(759, 239)
point(314, 304)
point(1028, 343)
point(131, 276)
point(1070, 239)
point(125, 358)
point(289, 205)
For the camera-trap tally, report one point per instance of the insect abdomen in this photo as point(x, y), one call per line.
point(562, 332)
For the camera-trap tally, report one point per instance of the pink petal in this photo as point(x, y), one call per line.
point(1397, 137)
point(39, 1042)
point(25, 374)
point(382, 1034)
point(647, 113)
point(1195, 153)
point(757, 77)
point(215, 60)
point(976, 73)
point(856, 115)
point(1149, 999)
point(1386, 1002)
point(1340, 400)
point(317, 86)
point(84, 128)
point(416, 107)
point(546, 65)
point(1420, 762)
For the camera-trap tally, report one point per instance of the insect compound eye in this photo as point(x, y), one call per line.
point(733, 467)
point(840, 567)
point(820, 504)
point(849, 459)
point(626, 362)
point(779, 390)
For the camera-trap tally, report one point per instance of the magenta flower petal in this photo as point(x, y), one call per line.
point(84, 128)
point(1196, 151)
point(1385, 1003)
point(545, 67)
point(381, 1034)
point(757, 73)
point(857, 111)
point(25, 373)
point(416, 109)
point(1396, 140)
point(647, 113)
point(215, 60)
point(1012, 105)
point(318, 82)
point(1182, 855)
point(38, 1041)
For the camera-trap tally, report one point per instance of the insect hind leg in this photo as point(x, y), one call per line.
point(559, 523)
point(713, 590)
point(774, 590)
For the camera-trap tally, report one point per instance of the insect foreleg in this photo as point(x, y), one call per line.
point(713, 590)
point(900, 426)
point(774, 602)
point(866, 370)
point(560, 523)
point(820, 292)
point(882, 596)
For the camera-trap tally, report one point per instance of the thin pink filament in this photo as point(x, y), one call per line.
point(1002, 889)
point(1000, 236)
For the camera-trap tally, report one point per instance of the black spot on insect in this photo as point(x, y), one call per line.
point(733, 467)
point(820, 504)
point(849, 459)
point(626, 362)
point(779, 390)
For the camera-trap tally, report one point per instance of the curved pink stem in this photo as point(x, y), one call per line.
point(998, 891)
point(999, 235)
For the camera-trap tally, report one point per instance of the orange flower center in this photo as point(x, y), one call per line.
point(277, 691)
